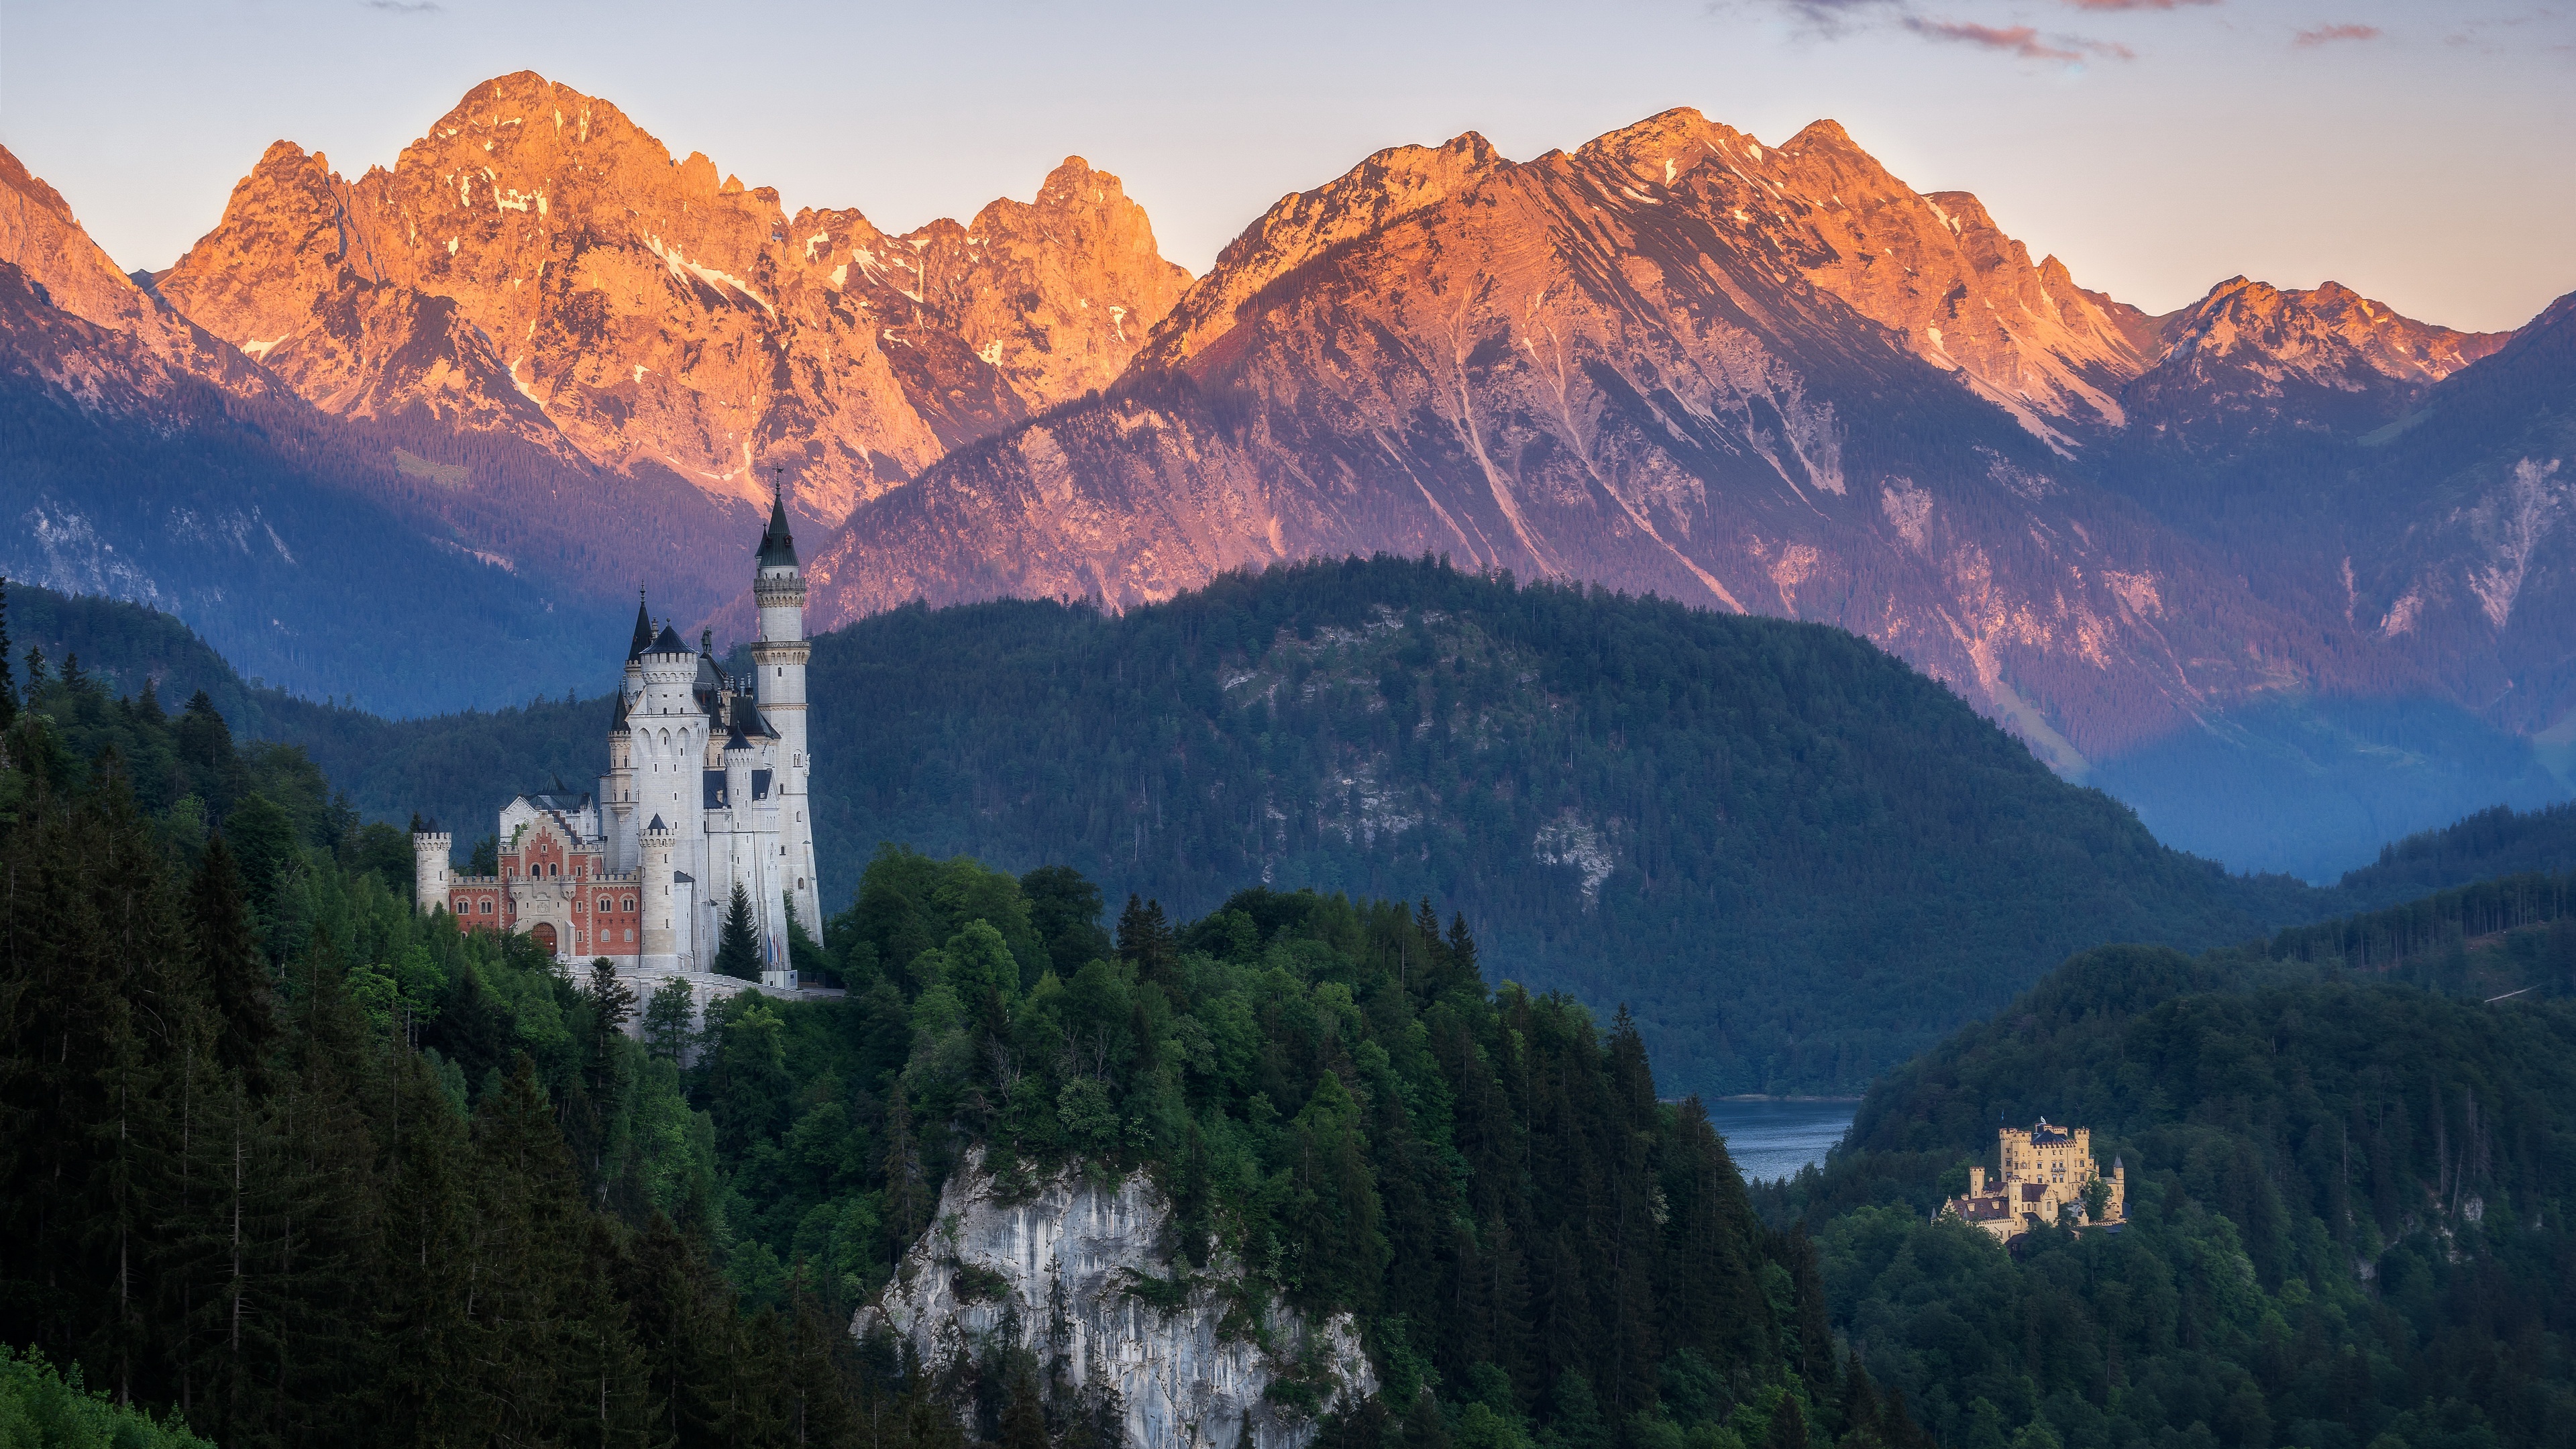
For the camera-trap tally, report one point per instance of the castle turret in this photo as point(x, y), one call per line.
point(737, 771)
point(431, 864)
point(778, 657)
point(617, 792)
point(664, 911)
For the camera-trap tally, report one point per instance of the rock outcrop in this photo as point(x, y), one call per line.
point(1073, 1270)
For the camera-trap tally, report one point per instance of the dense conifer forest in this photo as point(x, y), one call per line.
point(2348, 1221)
point(299, 1167)
point(1795, 860)
point(285, 1164)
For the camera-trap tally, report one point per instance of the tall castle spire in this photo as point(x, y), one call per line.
point(643, 628)
point(777, 545)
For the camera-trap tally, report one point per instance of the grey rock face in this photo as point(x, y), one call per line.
point(1075, 1273)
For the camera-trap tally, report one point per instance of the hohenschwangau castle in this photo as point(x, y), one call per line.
point(705, 791)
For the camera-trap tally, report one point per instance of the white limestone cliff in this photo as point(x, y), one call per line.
point(1074, 1269)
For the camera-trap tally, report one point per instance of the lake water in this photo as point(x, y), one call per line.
point(1775, 1139)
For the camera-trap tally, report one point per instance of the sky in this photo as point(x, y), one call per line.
point(2419, 153)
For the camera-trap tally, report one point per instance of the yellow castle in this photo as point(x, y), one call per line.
point(2043, 1176)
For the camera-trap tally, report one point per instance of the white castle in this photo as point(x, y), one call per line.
point(705, 791)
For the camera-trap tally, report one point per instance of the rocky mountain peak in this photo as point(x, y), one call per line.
point(1966, 297)
point(2250, 357)
point(65, 269)
point(1301, 226)
point(593, 295)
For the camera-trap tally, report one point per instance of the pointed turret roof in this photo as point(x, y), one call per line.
point(777, 545)
point(618, 725)
point(643, 629)
point(734, 740)
point(668, 642)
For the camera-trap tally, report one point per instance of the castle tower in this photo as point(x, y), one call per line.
point(665, 911)
point(779, 656)
point(617, 793)
point(431, 865)
point(617, 787)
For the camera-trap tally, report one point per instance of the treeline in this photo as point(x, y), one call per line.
point(1794, 859)
point(1539, 1251)
point(2494, 842)
point(2385, 939)
point(2348, 1215)
point(288, 1163)
point(298, 1167)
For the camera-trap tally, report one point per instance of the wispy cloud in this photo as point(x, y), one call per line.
point(2024, 41)
point(2136, 4)
point(404, 7)
point(2326, 34)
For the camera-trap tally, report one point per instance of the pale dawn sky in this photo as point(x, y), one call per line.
point(2418, 153)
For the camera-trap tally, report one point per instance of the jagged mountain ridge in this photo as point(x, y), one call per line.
point(250, 515)
point(2089, 620)
point(537, 268)
point(1663, 361)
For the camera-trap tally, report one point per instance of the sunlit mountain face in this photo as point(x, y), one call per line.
point(2286, 570)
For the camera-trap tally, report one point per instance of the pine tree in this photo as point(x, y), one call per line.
point(1788, 1426)
point(1463, 969)
point(738, 949)
point(1145, 938)
point(8, 682)
point(666, 1020)
point(229, 962)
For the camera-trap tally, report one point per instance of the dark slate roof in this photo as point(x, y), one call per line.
point(734, 739)
point(643, 631)
point(760, 784)
point(777, 545)
point(617, 726)
point(668, 642)
point(657, 824)
point(712, 782)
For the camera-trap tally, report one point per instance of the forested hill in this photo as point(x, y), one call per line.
point(1796, 860)
point(2348, 1190)
point(286, 1164)
point(2491, 843)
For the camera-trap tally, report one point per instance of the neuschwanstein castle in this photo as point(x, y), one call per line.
point(705, 790)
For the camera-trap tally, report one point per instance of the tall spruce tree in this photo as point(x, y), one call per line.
point(229, 961)
point(738, 948)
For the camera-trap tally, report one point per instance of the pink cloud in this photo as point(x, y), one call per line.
point(2024, 41)
point(2324, 33)
point(2136, 4)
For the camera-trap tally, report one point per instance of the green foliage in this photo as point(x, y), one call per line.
point(43, 1409)
point(1795, 859)
point(1332, 1098)
point(2340, 1189)
point(315, 1170)
point(738, 943)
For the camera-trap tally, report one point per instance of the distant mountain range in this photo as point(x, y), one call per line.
point(2291, 573)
